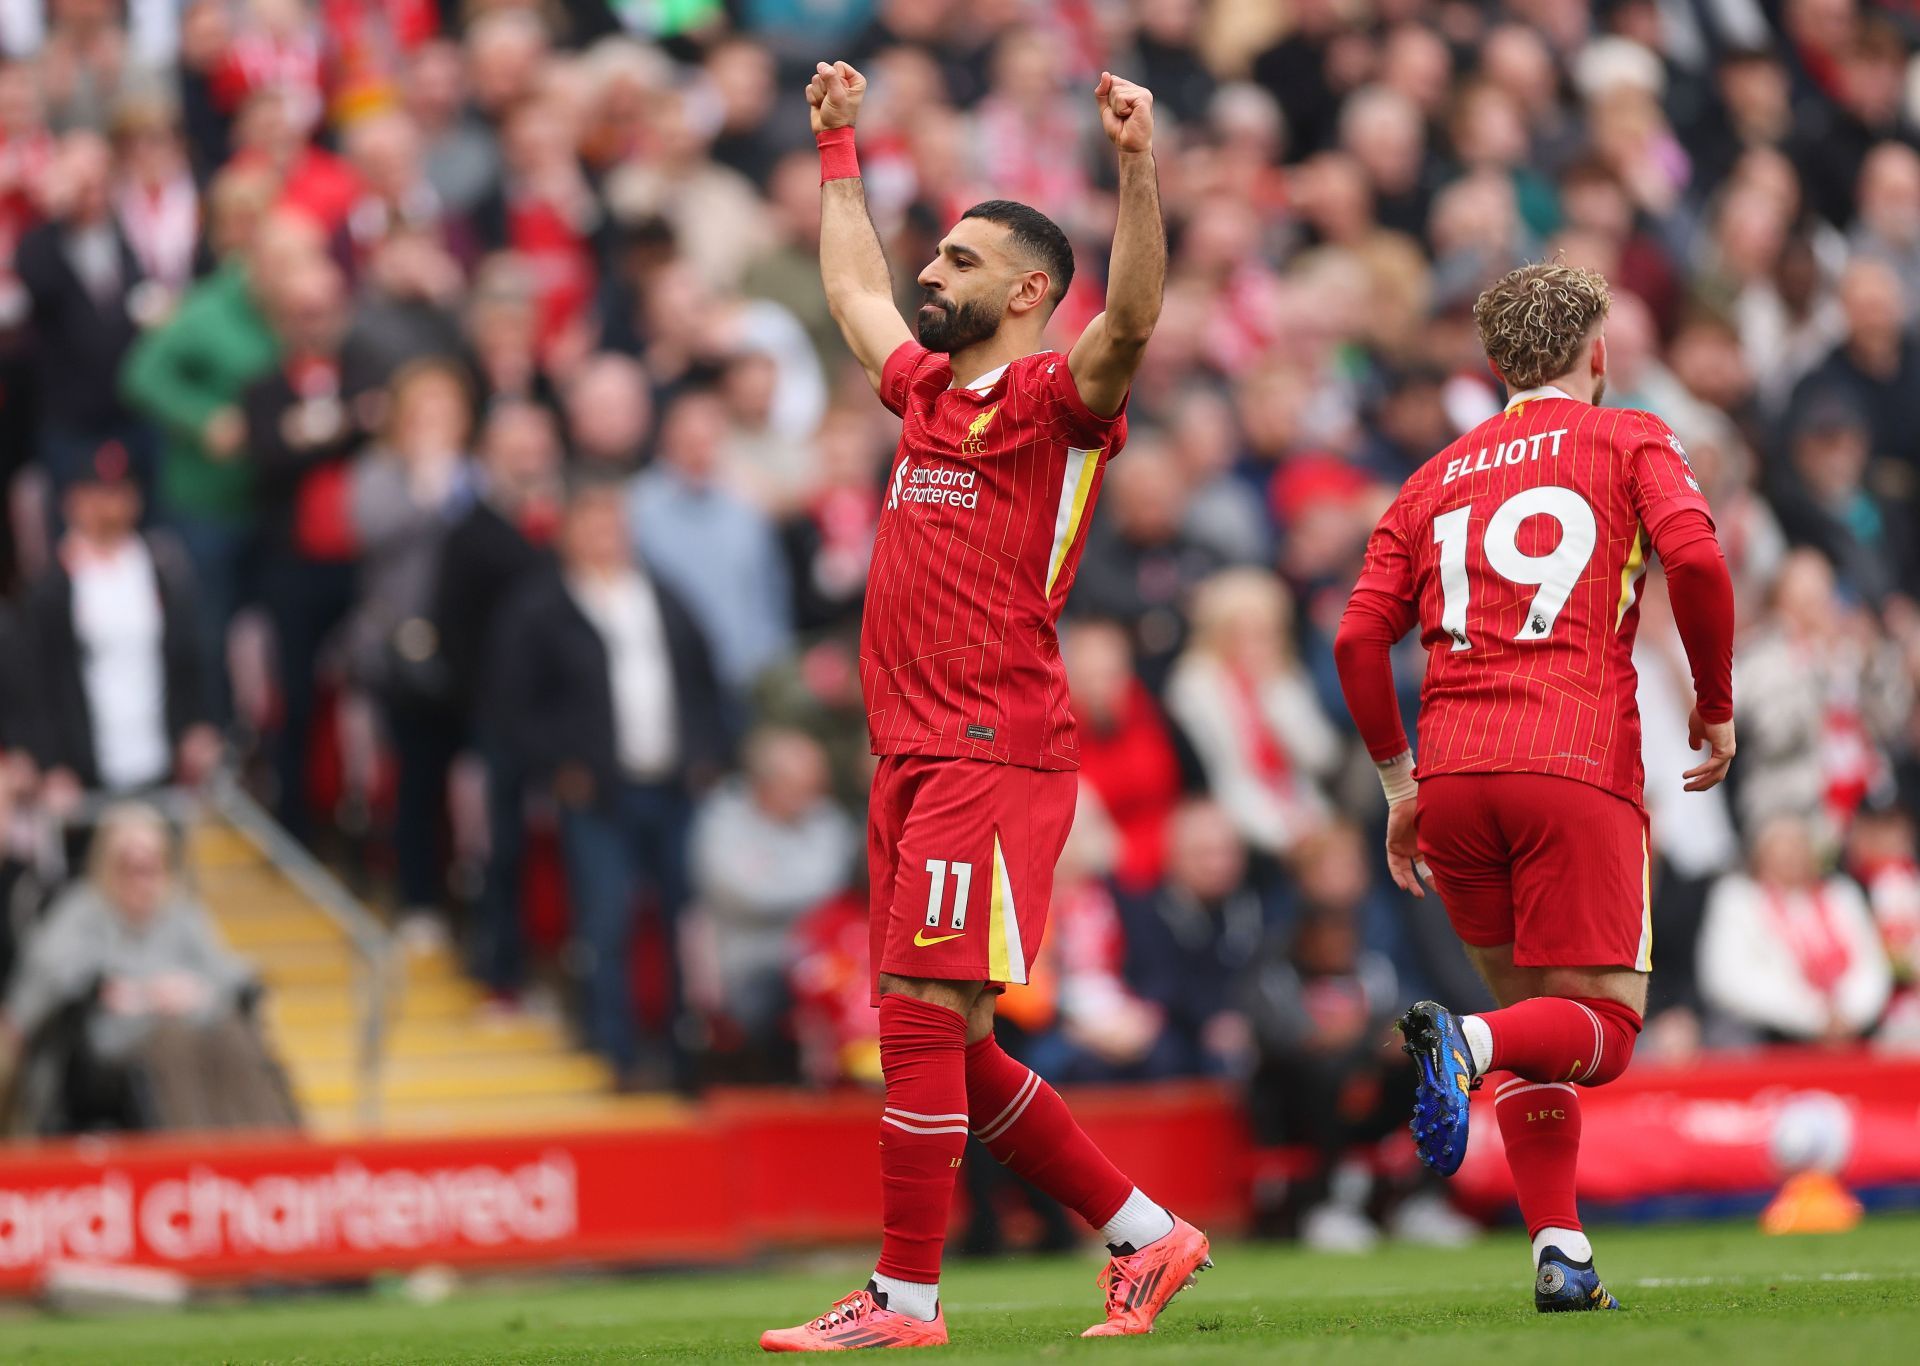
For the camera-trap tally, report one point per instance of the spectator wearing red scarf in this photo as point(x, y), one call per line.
point(829, 541)
point(1249, 710)
point(1127, 753)
point(268, 133)
point(1789, 954)
point(277, 45)
point(546, 213)
point(305, 421)
point(27, 152)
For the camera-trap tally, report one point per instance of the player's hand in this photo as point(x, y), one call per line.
point(834, 95)
point(1403, 854)
point(1126, 112)
point(1719, 738)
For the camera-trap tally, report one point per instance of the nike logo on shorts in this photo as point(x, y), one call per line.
point(920, 940)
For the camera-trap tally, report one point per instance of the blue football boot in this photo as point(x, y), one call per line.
point(1565, 1286)
point(1439, 1050)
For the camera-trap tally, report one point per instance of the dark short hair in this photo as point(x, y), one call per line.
point(1035, 233)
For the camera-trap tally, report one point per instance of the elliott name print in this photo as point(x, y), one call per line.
point(1508, 453)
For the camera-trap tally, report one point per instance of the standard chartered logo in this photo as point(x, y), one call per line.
point(938, 484)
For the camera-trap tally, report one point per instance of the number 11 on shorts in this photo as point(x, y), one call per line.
point(937, 891)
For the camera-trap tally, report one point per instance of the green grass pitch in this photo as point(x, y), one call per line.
point(1708, 1293)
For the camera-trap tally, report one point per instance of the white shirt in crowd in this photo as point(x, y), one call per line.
point(1693, 830)
point(94, 254)
point(626, 613)
point(1758, 946)
point(118, 625)
point(153, 30)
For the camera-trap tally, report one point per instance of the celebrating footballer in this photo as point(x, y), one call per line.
point(1003, 448)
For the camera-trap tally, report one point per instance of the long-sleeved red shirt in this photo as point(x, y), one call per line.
point(1518, 550)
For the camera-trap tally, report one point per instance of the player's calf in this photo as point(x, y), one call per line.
point(1540, 1123)
point(923, 1132)
point(1025, 1125)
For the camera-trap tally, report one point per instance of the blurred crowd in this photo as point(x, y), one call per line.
point(433, 411)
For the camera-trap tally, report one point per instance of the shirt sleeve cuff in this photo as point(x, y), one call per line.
point(1084, 416)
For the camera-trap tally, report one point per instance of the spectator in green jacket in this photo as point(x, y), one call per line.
point(187, 377)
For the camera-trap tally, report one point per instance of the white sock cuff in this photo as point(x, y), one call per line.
point(913, 1298)
point(1570, 1241)
point(1479, 1037)
point(1139, 1222)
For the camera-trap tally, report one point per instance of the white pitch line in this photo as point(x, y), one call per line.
point(1789, 1278)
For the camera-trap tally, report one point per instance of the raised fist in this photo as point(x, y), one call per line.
point(1126, 112)
point(834, 95)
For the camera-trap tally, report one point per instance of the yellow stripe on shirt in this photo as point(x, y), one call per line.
point(1075, 485)
point(1630, 574)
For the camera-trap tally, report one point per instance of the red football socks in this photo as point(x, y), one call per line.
point(923, 1052)
point(1540, 1122)
point(1552, 1038)
point(1028, 1128)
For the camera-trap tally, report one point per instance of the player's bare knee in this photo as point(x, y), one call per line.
point(980, 1018)
point(1622, 985)
point(1505, 981)
point(959, 997)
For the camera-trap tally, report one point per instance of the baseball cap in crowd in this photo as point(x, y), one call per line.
point(1312, 478)
point(1827, 412)
point(109, 464)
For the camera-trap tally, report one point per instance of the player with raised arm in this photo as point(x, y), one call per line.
point(1001, 456)
point(1518, 550)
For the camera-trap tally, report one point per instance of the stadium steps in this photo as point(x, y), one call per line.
point(473, 1076)
point(449, 1064)
point(580, 1113)
point(430, 1038)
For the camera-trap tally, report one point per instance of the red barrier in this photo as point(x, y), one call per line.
point(228, 1210)
point(1705, 1129)
point(744, 1172)
point(749, 1171)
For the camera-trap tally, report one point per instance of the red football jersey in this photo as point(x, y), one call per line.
point(1522, 546)
point(986, 514)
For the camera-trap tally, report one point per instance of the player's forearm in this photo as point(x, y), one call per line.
point(1701, 591)
point(852, 264)
point(1137, 273)
point(1363, 653)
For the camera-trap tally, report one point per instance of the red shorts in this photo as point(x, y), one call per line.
point(961, 854)
point(1556, 867)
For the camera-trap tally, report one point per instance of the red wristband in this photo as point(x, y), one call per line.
point(837, 159)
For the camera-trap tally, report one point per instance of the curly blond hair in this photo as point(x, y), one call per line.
point(1533, 320)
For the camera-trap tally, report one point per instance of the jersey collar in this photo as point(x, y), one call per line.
point(988, 380)
point(1544, 391)
point(992, 377)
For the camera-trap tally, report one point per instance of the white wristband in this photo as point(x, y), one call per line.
point(1396, 778)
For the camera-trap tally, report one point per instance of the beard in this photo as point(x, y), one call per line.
point(1599, 388)
point(954, 327)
